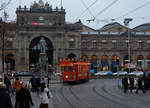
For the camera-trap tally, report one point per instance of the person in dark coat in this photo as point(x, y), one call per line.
point(7, 83)
point(131, 80)
point(23, 98)
point(5, 101)
point(38, 81)
point(140, 86)
point(125, 83)
point(33, 82)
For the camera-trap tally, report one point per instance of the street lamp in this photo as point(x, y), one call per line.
point(126, 22)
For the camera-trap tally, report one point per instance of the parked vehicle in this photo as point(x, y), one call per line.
point(120, 73)
point(57, 74)
point(136, 73)
point(103, 73)
point(24, 73)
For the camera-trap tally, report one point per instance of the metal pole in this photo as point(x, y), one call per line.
point(129, 58)
point(3, 47)
point(126, 22)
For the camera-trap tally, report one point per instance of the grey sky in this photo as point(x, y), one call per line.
point(75, 7)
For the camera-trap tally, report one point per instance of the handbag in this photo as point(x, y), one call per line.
point(48, 95)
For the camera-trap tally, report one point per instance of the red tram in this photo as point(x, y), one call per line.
point(74, 71)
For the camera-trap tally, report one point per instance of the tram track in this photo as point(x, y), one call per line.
point(107, 97)
point(65, 98)
point(81, 100)
point(121, 96)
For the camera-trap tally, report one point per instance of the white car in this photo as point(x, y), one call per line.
point(103, 73)
point(120, 73)
point(57, 74)
point(136, 73)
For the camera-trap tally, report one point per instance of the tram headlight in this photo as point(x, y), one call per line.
point(66, 76)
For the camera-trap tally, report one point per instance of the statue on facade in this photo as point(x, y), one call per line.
point(35, 5)
point(41, 4)
point(43, 45)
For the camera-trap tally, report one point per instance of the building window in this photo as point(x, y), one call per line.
point(94, 44)
point(9, 44)
point(126, 43)
point(71, 43)
point(84, 44)
point(148, 45)
point(140, 45)
point(105, 43)
point(114, 44)
point(148, 42)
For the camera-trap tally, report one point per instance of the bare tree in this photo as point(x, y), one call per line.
point(4, 4)
point(5, 37)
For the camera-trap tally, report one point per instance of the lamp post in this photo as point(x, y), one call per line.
point(126, 22)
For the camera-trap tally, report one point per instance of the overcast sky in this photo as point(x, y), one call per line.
point(74, 8)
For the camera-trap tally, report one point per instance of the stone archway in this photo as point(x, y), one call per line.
point(114, 63)
point(104, 62)
point(34, 52)
point(71, 56)
point(94, 63)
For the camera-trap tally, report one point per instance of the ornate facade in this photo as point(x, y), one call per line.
point(107, 48)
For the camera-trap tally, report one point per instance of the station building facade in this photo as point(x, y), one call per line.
point(106, 48)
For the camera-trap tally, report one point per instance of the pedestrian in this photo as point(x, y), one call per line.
point(5, 101)
point(38, 81)
point(44, 95)
point(12, 86)
point(17, 85)
point(125, 83)
point(131, 81)
point(140, 84)
point(23, 97)
point(7, 83)
point(33, 82)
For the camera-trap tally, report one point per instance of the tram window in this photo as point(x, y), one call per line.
point(66, 69)
point(70, 68)
point(76, 68)
point(62, 69)
point(81, 68)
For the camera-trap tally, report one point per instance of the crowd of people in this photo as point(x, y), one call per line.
point(142, 83)
point(21, 90)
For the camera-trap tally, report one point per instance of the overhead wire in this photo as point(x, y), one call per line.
point(112, 3)
point(86, 9)
point(106, 8)
point(134, 10)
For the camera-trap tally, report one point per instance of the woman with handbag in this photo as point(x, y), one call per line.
point(44, 95)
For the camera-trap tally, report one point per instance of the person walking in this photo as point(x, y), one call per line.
point(38, 81)
point(125, 83)
point(7, 83)
point(33, 82)
point(5, 101)
point(131, 81)
point(23, 97)
point(12, 86)
point(44, 95)
point(140, 85)
point(17, 85)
